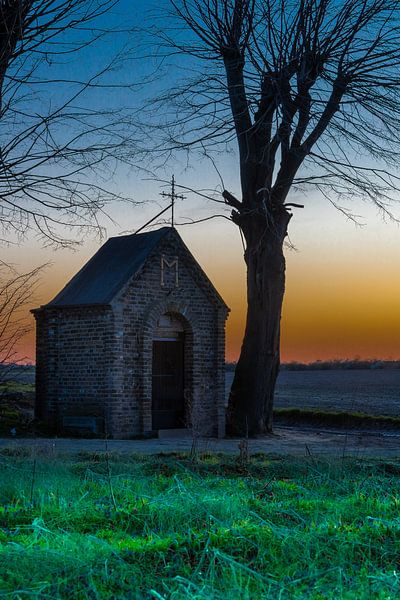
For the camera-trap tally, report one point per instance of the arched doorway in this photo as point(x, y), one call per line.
point(168, 374)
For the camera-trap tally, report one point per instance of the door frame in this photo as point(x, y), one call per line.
point(178, 410)
point(148, 334)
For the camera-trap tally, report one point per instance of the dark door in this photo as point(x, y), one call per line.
point(167, 392)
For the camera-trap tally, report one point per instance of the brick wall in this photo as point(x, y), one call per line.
point(98, 361)
point(72, 362)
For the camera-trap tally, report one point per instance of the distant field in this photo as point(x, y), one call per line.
point(24, 374)
point(375, 392)
point(371, 391)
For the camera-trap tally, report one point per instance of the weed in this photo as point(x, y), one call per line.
point(284, 528)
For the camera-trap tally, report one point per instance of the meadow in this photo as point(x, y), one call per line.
point(102, 526)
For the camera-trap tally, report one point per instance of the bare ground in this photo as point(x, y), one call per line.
point(285, 441)
point(370, 391)
point(375, 392)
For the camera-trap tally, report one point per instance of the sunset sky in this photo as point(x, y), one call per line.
point(343, 280)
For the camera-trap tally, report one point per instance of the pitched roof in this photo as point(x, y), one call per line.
point(109, 269)
point(119, 259)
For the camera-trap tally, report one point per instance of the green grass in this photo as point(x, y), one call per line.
point(215, 529)
point(312, 416)
point(16, 407)
point(16, 387)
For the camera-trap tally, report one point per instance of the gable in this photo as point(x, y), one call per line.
point(168, 267)
point(119, 261)
point(199, 275)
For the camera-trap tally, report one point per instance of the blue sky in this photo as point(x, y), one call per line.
point(343, 280)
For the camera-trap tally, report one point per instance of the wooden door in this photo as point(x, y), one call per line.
point(168, 406)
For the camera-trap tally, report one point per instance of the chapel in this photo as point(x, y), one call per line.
point(134, 344)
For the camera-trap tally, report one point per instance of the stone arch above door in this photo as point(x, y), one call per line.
point(178, 310)
point(163, 322)
point(169, 326)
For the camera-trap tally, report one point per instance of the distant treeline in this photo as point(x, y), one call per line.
point(26, 373)
point(20, 373)
point(323, 365)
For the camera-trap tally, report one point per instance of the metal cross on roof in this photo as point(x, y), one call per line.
point(174, 196)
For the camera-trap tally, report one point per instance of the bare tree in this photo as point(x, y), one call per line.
point(308, 90)
point(59, 115)
point(16, 293)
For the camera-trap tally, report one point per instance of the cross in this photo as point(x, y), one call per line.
point(173, 197)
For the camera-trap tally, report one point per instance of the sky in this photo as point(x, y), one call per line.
point(343, 281)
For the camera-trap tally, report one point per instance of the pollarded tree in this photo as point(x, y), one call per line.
point(58, 116)
point(310, 92)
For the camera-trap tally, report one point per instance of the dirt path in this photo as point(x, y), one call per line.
point(286, 441)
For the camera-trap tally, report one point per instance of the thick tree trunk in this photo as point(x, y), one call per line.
point(252, 392)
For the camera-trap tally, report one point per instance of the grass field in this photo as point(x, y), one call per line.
point(164, 527)
point(16, 406)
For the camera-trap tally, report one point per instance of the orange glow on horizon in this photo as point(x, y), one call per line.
point(342, 295)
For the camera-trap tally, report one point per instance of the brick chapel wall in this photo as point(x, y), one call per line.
point(74, 346)
point(136, 312)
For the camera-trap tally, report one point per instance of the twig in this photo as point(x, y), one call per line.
point(110, 486)
point(33, 480)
